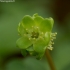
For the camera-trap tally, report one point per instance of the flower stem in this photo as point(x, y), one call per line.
point(49, 58)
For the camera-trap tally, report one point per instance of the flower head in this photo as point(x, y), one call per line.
point(35, 34)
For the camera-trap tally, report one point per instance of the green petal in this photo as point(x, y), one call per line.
point(39, 45)
point(28, 22)
point(23, 42)
point(38, 20)
point(35, 15)
point(30, 48)
point(47, 37)
point(46, 25)
point(21, 29)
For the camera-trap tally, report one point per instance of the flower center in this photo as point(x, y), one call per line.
point(35, 34)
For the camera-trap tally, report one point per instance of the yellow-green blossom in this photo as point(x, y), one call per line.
point(36, 35)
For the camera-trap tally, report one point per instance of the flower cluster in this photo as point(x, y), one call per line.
point(36, 35)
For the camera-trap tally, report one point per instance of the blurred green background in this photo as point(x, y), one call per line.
point(11, 14)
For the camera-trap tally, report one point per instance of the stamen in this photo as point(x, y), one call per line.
point(56, 33)
point(29, 38)
point(53, 37)
point(40, 36)
point(42, 33)
point(52, 42)
point(32, 26)
point(24, 34)
point(50, 48)
point(37, 27)
point(26, 29)
point(34, 38)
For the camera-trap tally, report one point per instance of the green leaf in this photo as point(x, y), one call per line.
point(28, 22)
point(46, 25)
point(23, 42)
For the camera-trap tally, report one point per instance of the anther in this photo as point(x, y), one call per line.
point(56, 33)
point(37, 27)
point(40, 36)
point(51, 39)
point(34, 38)
point(26, 29)
point(24, 34)
point(50, 45)
point(50, 48)
point(29, 38)
point(54, 37)
point(52, 42)
point(42, 33)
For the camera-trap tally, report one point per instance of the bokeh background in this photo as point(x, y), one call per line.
point(12, 13)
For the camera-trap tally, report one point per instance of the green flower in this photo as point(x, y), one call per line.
point(35, 34)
